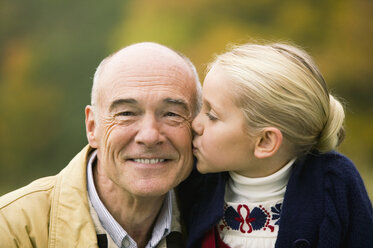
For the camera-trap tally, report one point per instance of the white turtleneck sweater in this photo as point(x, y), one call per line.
point(252, 209)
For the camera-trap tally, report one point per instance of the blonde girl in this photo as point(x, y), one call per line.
point(265, 142)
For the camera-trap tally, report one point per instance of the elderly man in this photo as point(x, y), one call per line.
point(117, 192)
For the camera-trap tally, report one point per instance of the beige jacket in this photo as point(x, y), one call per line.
point(50, 212)
point(55, 211)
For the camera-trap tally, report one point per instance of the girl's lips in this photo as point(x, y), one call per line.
point(194, 143)
point(195, 147)
point(195, 150)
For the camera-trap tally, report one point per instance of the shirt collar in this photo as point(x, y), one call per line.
point(241, 188)
point(161, 228)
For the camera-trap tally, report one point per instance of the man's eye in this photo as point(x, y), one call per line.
point(126, 113)
point(172, 114)
point(211, 117)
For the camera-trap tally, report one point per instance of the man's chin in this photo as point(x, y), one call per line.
point(151, 190)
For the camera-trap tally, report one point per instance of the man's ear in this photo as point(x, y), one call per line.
point(268, 142)
point(90, 126)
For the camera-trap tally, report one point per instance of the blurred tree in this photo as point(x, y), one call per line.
point(48, 53)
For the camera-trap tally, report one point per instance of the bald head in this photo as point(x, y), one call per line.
point(147, 57)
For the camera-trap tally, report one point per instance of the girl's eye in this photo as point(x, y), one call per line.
point(211, 117)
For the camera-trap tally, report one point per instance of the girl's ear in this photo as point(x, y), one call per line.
point(90, 126)
point(268, 142)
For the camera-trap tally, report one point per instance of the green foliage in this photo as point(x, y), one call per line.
point(49, 52)
point(50, 49)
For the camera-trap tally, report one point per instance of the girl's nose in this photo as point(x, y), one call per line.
point(197, 125)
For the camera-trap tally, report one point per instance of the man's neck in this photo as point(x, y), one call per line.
point(135, 214)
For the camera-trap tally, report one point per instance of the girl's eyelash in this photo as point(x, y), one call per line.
point(211, 117)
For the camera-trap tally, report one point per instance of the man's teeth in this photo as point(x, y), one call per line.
point(149, 161)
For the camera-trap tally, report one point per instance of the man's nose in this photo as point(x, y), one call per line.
point(149, 133)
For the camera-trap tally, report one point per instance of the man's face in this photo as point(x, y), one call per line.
point(142, 129)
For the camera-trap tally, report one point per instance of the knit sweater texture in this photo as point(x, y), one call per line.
point(325, 204)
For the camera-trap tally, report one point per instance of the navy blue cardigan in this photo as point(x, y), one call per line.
point(325, 205)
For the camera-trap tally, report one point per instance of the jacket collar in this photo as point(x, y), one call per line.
point(71, 223)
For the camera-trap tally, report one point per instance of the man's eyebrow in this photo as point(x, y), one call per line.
point(118, 102)
point(179, 102)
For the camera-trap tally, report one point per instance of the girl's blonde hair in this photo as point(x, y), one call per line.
point(279, 85)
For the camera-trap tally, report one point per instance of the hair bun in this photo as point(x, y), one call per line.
point(333, 132)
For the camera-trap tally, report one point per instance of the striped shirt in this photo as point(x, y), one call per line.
point(120, 237)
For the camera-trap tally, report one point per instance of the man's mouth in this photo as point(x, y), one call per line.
point(149, 161)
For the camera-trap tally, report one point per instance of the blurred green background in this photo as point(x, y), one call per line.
point(49, 51)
